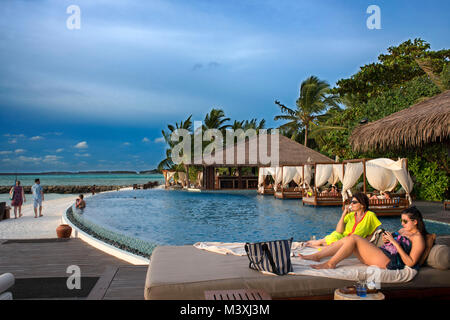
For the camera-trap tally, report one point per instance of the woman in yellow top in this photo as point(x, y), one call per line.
point(356, 219)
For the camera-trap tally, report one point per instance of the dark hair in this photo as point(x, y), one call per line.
point(362, 199)
point(17, 181)
point(81, 196)
point(414, 214)
point(36, 180)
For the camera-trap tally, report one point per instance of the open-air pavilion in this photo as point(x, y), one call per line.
point(256, 152)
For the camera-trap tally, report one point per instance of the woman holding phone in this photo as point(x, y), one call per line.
point(355, 219)
point(400, 249)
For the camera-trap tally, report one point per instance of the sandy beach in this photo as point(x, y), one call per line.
point(29, 227)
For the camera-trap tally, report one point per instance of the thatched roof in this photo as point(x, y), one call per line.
point(425, 122)
point(291, 153)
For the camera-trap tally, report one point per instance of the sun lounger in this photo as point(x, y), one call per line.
point(185, 272)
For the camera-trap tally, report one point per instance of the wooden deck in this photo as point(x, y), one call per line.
point(45, 258)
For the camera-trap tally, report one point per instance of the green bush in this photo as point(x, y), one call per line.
point(430, 183)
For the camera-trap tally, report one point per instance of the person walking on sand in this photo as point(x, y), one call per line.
point(17, 198)
point(38, 197)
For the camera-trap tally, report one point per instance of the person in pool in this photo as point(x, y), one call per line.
point(80, 203)
point(400, 249)
point(355, 219)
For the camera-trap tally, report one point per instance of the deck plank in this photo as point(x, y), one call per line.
point(118, 278)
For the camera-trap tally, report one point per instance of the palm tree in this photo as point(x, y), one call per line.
point(167, 162)
point(314, 98)
point(246, 124)
point(215, 119)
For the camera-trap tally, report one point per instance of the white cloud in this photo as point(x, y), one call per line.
point(19, 151)
point(5, 152)
point(12, 141)
point(51, 158)
point(159, 140)
point(82, 155)
point(9, 135)
point(59, 150)
point(36, 138)
point(126, 143)
point(81, 145)
point(145, 139)
point(29, 159)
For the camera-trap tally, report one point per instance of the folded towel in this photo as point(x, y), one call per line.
point(348, 269)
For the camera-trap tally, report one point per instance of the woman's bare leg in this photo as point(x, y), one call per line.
point(363, 249)
point(20, 211)
point(15, 212)
point(327, 251)
point(316, 243)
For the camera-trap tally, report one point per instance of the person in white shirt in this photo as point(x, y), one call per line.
point(38, 197)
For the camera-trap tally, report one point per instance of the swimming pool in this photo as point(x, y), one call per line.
point(164, 217)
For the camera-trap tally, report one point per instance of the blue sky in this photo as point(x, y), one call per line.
point(98, 97)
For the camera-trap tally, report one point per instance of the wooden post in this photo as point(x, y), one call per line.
point(364, 170)
point(239, 177)
point(282, 185)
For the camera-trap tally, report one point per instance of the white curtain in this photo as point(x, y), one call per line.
point(270, 171)
point(307, 177)
point(200, 178)
point(323, 173)
point(378, 176)
point(397, 169)
point(183, 178)
point(278, 177)
point(170, 175)
point(352, 173)
point(337, 174)
point(288, 175)
point(261, 177)
point(298, 178)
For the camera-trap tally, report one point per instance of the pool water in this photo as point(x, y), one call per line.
point(166, 217)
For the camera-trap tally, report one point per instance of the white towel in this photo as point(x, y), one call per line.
point(348, 269)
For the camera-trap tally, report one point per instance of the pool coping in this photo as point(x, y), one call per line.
point(103, 246)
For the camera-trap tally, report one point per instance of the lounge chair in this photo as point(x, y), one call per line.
point(185, 273)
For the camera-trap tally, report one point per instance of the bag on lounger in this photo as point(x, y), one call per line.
point(271, 256)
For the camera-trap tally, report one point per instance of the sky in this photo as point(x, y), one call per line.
point(97, 97)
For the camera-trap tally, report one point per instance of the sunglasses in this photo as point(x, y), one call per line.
point(354, 202)
point(404, 221)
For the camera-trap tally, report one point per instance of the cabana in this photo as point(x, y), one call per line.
point(286, 176)
point(263, 174)
point(324, 172)
point(249, 153)
point(383, 175)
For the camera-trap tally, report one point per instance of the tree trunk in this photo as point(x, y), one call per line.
point(306, 135)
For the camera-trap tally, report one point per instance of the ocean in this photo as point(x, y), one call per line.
point(103, 179)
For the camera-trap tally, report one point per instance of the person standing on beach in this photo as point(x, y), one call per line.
point(38, 197)
point(17, 198)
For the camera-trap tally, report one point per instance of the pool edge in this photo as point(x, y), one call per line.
point(105, 247)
